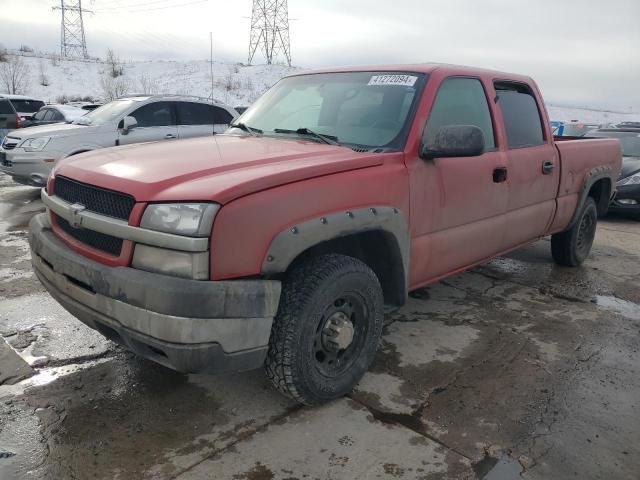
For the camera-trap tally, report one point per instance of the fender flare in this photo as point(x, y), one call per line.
point(287, 245)
point(594, 175)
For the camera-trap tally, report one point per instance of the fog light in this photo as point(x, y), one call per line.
point(627, 201)
point(171, 262)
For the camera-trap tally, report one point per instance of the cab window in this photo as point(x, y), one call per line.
point(157, 114)
point(461, 101)
point(522, 120)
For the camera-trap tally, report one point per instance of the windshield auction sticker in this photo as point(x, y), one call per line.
point(393, 79)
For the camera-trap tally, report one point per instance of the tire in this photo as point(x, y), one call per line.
point(571, 247)
point(309, 358)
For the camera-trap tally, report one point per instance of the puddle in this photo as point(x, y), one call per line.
point(503, 468)
point(625, 308)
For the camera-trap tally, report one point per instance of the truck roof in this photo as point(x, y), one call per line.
point(421, 68)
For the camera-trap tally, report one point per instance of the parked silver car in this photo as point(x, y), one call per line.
point(28, 155)
point(54, 114)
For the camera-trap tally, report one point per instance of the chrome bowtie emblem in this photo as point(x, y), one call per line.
point(76, 219)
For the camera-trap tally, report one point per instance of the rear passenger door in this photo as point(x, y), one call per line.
point(156, 121)
point(533, 164)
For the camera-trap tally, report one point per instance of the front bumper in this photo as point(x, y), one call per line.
point(28, 168)
point(626, 192)
point(188, 325)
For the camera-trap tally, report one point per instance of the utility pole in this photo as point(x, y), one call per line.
point(270, 30)
point(72, 40)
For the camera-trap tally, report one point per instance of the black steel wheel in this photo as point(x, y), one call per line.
point(327, 329)
point(571, 247)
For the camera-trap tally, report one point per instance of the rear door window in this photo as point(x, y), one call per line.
point(522, 118)
point(48, 115)
point(56, 116)
point(157, 114)
point(221, 116)
point(461, 101)
point(190, 113)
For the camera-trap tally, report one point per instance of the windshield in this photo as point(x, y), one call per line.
point(27, 106)
point(630, 141)
point(359, 109)
point(106, 113)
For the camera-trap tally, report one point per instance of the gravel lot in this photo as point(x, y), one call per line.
point(515, 369)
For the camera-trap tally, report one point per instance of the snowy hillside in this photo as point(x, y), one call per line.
point(568, 114)
point(234, 84)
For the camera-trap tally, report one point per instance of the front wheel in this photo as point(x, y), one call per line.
point(327, 328)
point(572, 247)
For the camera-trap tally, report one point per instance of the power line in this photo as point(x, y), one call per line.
point(73, 43)
point(133, 10)
point(270, 30)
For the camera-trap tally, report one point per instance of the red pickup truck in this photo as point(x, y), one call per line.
point(279, 242)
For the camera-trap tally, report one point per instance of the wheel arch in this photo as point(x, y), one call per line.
point(377, 236)
point(599, 185)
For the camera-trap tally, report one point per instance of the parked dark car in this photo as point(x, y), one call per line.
point(627, 199)
point(55, 114)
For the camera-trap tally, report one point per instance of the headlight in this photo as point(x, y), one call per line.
point(35, 144)
point(189, 219)
point(630, 180)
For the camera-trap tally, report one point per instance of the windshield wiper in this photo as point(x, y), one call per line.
point(250, 130)
point(329, 139)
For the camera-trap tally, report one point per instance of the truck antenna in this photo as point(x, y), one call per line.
point(213, 126)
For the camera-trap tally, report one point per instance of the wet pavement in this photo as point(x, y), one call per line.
point(516, 369)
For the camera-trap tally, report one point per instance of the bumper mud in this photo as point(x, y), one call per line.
point(188, 325)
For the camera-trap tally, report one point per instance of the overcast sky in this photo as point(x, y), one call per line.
point(581, 52)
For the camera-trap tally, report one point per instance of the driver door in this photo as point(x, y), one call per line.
point(458, 204)
point(156, 121)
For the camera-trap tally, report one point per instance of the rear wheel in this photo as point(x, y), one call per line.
point(327, 329)
point(572, 247)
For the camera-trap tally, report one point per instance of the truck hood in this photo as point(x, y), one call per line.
point(52, 130)
point(630, 165)
point(219, 168)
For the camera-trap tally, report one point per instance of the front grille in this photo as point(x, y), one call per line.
point(97, 240)
point(95, 199)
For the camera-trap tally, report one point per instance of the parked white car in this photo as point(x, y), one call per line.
point(28, 155)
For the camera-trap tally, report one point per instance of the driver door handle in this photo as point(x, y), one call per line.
point(500, 175)
point(169, 136)
point(547, 167)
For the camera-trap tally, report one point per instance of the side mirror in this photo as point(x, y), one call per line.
point(453, 141)
point(128, 123)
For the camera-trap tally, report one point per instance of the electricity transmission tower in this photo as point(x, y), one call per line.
point(270, 30)
point(72, 41)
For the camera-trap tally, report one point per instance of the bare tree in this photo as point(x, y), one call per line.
point(148, 85)
point(113, 88)
point(15, 76)
point(115, 66)
point(3, 54)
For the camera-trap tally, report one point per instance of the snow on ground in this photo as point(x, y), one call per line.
point(234, 83)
